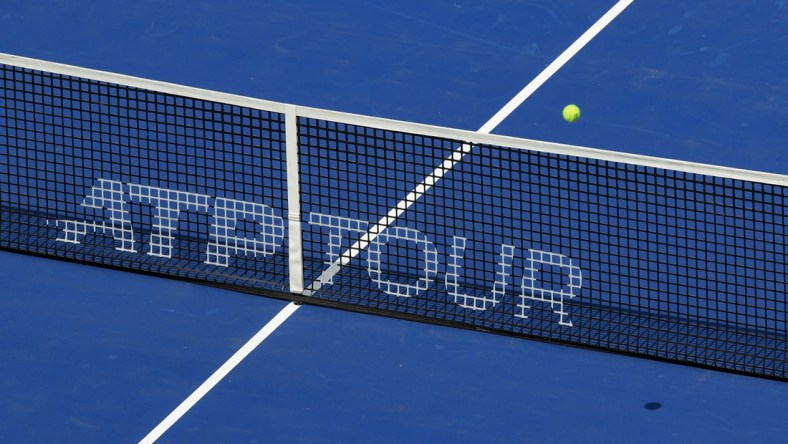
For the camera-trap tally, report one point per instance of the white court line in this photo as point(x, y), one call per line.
point(219, 374)
point(557, 64)
point(460, 153)
point(370, 235)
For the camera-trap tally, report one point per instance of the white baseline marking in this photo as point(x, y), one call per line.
point(219, 374)
point(385, 221)
point(460, 153)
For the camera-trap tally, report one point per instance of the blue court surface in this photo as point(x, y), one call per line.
point(97, 355)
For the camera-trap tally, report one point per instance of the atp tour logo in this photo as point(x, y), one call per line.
point(225, 242)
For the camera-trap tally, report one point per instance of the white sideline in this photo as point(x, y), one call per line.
point(460, 153)
point(220, 373)
point(401, 207)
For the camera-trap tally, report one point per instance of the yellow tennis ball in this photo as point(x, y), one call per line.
point(571, 113)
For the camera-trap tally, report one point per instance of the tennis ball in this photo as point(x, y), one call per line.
point(571, 113)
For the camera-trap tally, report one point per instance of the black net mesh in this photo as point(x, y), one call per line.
point(635, 259)
point(125, 177)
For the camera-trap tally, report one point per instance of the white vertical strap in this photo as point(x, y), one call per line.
point(296, 258)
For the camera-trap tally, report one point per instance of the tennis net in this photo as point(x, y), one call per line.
point(653, 257)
